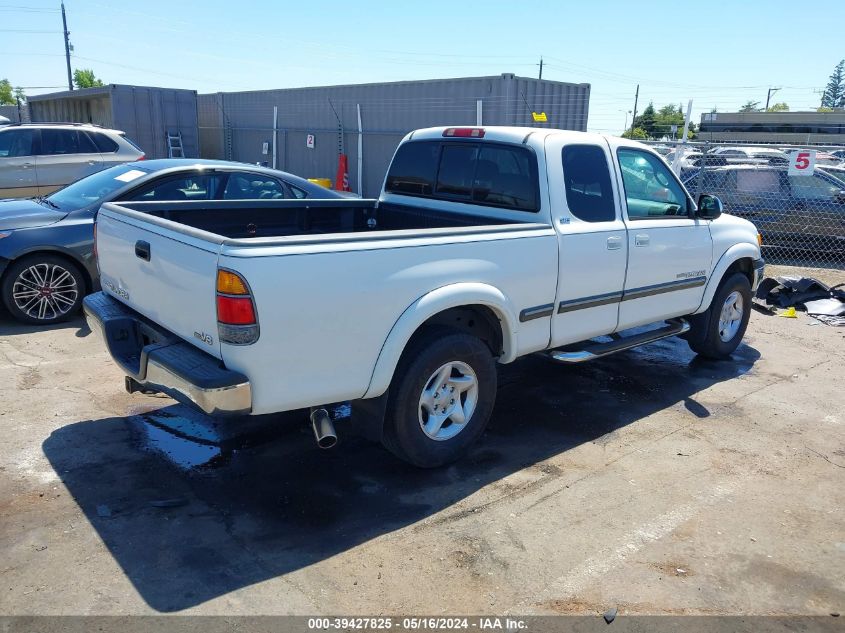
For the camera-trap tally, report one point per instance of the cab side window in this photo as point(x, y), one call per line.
point(15, 143)
point(586, 177)
point(651, 189)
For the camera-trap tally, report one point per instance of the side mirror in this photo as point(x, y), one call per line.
point(709, 207)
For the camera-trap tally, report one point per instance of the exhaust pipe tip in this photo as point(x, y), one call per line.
point(324, 433)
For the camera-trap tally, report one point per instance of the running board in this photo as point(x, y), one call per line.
point(674, 327)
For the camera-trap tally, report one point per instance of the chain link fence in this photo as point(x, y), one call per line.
point(800, 212)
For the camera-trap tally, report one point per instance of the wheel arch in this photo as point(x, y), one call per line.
point(56, 251)
point(738, 258)
point(495, 322)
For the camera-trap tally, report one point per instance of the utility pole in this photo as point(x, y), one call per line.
point(541, 67)
point(769, 96)
point(634, 118)
point(67, 48)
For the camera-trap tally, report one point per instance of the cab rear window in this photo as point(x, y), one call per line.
point(489, 174)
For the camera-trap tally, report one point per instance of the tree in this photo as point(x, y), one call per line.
point(84, 78)
point(6, 96)
point(19, 94)
point(834, 93)
point(751, 106)
point(658, 123)
point(646, 120)
point(638, 134)
point(778, 107)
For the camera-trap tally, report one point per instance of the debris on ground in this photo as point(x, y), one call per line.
point(610, 615)
point(822, 302)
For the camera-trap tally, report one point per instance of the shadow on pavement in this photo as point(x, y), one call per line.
point(11, 327)
point(187, 529)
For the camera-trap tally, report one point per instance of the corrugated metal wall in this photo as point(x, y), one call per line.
point(11, 113)
point(144, 113)
point(235, 126)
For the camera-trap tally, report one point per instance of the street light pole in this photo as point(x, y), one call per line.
point(769, 96)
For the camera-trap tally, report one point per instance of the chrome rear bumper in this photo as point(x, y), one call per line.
point(158, 360)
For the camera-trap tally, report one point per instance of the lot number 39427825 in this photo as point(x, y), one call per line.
point(802, 162)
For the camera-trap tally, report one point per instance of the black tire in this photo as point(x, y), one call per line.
point(61, 303)
point(430, 351)
point(704, 337)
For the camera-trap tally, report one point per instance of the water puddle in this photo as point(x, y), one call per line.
point(193, 441)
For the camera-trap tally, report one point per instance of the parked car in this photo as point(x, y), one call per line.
point(38, 158)
point(837, 171)
point(689, 159)
point(805, 212)
point(840, 154)
point(822, 158)
point(751, 151)
point(485, 245)
point(46, 243)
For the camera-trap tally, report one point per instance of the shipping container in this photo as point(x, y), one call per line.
point(146, 114)
point(313, 125)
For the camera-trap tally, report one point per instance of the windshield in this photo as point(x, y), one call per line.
point(96, 187)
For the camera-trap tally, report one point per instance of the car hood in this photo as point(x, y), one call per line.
point(27, 214)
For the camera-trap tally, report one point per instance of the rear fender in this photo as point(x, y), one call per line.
point(436, 301)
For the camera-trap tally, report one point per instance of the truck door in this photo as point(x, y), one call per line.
point(591, 238)
point(669, 251)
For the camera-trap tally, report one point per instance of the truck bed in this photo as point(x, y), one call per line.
point(240, 219)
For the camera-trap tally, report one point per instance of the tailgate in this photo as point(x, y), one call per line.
point(163, 270)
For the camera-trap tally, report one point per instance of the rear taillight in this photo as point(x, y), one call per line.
point(464, 132)
point(237, 322)
point(141, 157)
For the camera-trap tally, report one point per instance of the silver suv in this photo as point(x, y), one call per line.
point(38, 158)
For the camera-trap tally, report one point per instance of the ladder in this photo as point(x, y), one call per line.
point(174, 145)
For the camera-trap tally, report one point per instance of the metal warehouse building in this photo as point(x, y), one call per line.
point(774, 127)
point(302, 130)
point(146, 114)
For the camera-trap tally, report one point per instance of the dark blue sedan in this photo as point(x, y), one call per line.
point(47, 259)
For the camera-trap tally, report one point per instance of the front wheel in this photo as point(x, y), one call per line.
point(441, 397)
point(43, 289)
point(717, 332)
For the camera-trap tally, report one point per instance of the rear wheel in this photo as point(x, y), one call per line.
point(441, 397)
point(717, 332)
point(43, 289)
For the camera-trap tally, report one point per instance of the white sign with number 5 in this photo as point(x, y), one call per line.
point(802, 162)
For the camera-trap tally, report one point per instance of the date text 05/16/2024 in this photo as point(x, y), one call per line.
point(416, 623)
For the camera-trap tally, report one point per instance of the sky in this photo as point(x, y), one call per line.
point(719, 54)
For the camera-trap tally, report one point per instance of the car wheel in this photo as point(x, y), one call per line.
point(441, 397)
point(717, 332)
point(43, 289)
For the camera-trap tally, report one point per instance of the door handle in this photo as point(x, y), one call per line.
point(92, 162)
point(26, 165)
point(142, 250)
point(614, 243)
point(642, 239)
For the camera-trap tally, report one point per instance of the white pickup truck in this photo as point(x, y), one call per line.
point(485, 245)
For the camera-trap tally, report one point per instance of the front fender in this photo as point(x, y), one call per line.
point(436, 301)
point(734, 253)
